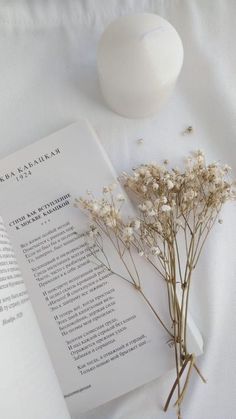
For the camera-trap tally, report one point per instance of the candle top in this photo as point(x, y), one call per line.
point(140, 44)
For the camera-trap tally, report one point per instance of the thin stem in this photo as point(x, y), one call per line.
point(154, 311)
point(199, 372)
point(135, 268)
point(186, 309)
point(175, 383)
point(176, 325)
point(178, 259)
point(186, 381)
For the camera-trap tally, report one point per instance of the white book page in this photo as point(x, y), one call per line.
point(102, 338)
point(28, 385)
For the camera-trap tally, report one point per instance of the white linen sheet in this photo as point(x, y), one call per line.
point(48, 79)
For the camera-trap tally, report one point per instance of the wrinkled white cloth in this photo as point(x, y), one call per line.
point(48, 79)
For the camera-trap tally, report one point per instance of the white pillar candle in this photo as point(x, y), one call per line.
point(139, 59)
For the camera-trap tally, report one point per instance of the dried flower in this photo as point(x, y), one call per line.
point(136, 224)
point(170, 184)
point(173, 205)
point(165, 208)
point(155, 250)
point(120, 198)
point(128, 231)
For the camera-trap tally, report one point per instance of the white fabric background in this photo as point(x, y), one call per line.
point(48, 79)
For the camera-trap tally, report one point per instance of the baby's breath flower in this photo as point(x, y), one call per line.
point(158, 227)
point(95, 207)
point(165, 208)
point(142, 170)
point(164, 199)
point(104, 210)
point(128, 233)
point(136, 224)
point(227, 168)
point(155, 186)
point(142, 207)
point(120, 197)
point(155, 250)
point(109, 188)
point(110, 222)
point(144, 188)
point(200, 159)
point(152, 212)
point(148, 204)
point(170, 184)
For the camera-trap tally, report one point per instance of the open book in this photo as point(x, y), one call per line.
point(72, 335)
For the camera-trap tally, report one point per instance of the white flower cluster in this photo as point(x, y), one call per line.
point(102, 211)
point(171, 194)
point(166, 198)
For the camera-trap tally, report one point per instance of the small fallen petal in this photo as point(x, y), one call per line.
point(188, 130)
point(140, 141)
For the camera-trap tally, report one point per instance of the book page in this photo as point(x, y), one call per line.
point(102, 338)
point(28, 384)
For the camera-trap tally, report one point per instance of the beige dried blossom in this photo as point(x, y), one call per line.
point(174, 208)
